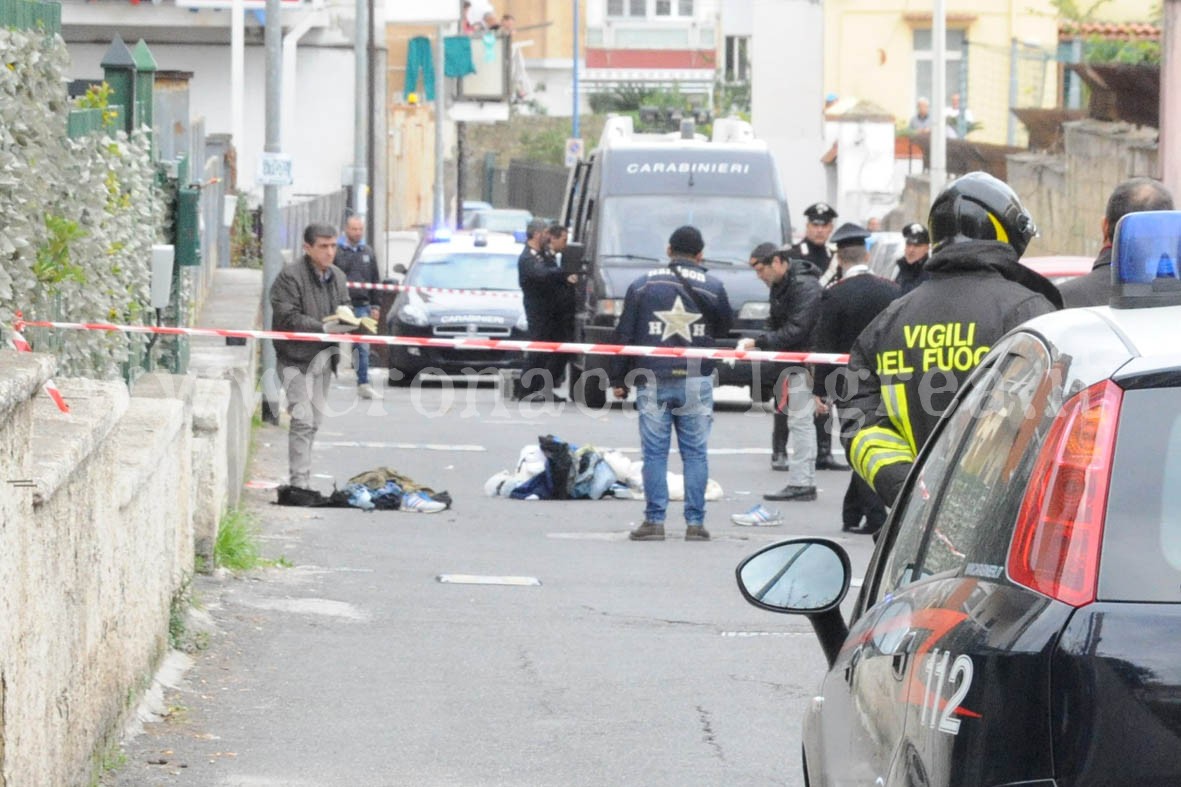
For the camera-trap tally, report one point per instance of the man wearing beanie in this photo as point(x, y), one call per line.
point(676, 306)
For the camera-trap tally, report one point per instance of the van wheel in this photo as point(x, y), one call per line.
point(590, 389)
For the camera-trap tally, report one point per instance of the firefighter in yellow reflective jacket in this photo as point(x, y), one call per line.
point(907, 365)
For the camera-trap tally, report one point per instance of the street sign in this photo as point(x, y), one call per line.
point(573, 151)
point(274, 169)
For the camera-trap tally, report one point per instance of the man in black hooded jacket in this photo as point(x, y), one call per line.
point(907, 364)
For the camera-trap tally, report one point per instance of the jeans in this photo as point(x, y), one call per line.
point(687, 405)
point(361, 351)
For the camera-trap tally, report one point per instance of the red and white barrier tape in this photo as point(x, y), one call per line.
point(364, 285)
point(20, 344)
point(472, 343)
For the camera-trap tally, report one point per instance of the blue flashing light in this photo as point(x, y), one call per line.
point(1144, 260)
point(520, 236)
point(440, 234)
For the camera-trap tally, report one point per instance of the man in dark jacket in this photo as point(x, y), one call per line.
point(795, 304)
point(359, 264)
point(846, 308)
point(1131, 196)
point(548, 296)
point(302, 296)
point(677, 306)
point(907, 364)
point(814, 247)
point(912, 265)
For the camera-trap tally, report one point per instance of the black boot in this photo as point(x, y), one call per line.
point(793, 494)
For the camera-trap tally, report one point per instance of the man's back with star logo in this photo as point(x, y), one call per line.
point(680, 305)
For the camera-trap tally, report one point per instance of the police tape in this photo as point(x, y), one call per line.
point(21, 344)
point(364, 285)
point(464, 343)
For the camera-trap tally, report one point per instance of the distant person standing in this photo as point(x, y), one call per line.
point(548, 296)
point(1131, 196)
point(846, 308)
point(679, 305)
point(912, 265)
point(359, 264)
point(920, 121)
point(302, 296)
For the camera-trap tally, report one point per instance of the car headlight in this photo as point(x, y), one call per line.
point(414, 313)
point(755, 310)
point(609, 307)
point(523, 323)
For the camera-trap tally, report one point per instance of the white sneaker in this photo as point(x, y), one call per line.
point(759, 516)
point(421, 504)
point(365, 391)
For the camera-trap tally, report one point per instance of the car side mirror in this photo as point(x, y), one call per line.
point(804, 576)
point(399, 269)
point(572, 257)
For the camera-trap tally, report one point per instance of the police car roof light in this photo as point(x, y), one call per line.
point(480, 238)
point(520, 236)
point(440, 234)
point(1144, 260)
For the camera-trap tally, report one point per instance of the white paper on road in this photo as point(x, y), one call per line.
point(476, 579)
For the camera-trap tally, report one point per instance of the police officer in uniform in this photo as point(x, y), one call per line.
point(912, 265)
point(547, 294)
point(906, 366)
point(845, 309)
point(814, 247)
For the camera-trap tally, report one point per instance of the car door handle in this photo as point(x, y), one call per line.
point(851, 667)
point(901, 656)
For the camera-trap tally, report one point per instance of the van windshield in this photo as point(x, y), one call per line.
point(639, 226)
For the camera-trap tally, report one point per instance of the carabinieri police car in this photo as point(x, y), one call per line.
point(463, 285)
point(1020, 619)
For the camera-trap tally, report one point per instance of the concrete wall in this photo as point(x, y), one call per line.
point(101, 514)
point(1066, 194)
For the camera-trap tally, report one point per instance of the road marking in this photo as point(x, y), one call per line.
point(475, 579)
point(310, 606)
point(745, 634)
point(406, 446)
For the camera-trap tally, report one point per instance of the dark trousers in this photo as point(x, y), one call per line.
point(542, 372)
point(823, 438)
point(861, 501)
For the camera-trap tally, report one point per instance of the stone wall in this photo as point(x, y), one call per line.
point(102, 511)
point(1066, 193)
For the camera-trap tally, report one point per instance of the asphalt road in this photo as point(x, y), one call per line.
point(628, 664)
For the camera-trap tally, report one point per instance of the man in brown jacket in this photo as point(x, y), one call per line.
point(302, 296)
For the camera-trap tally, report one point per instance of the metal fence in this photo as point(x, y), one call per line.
point(31, 15)
point(529, 185)
point(305, 209)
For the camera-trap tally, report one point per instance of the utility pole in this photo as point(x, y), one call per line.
point(1170, 98)
point(272, 260)
point(359, 203)
point(575, 131)
point(938, 138)
point(371, 124)
point(440, 212)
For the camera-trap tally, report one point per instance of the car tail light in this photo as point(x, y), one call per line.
point(1055, 547)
